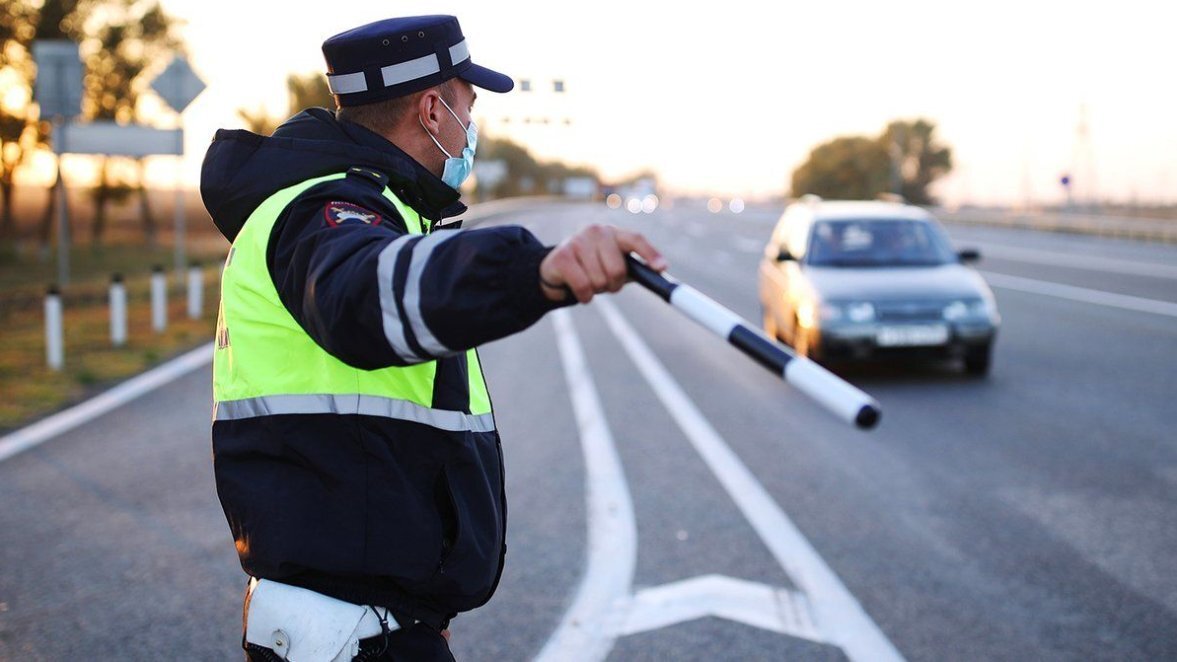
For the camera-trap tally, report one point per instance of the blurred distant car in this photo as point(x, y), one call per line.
point(845, 280)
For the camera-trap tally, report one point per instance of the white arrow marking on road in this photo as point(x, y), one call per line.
point(603, 608)
point(752, 603)
point(837, 614)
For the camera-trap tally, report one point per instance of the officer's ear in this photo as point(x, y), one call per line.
point(430, 110)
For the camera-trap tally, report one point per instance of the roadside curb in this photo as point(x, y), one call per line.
point(47, 428)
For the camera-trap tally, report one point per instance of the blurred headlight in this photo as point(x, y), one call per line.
point(958, 310)
point(860, 312)
point(808, 313)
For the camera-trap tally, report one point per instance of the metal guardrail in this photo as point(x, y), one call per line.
point(1145, 229)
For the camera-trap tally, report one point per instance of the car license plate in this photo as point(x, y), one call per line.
point(912, 336)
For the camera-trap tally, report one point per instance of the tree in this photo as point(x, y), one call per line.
point(258, 121)
point(525, 174)
point(123, 39)
point(917, 158)
point(308, 90)
point(906, 156)
point(303, 91)
point(21, 131)
point(119, 39)
point(853, 167)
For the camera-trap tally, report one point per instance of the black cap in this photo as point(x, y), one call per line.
point(399, 56)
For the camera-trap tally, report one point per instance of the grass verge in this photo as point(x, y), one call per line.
point(30, 390)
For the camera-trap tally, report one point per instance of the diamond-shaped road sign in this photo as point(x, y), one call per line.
point(178, 85)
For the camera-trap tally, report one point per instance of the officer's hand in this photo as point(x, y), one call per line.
point(593, 261)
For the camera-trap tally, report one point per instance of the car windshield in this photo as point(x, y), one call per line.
point(878, 243)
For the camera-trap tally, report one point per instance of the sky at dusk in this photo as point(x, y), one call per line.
point(730, 98)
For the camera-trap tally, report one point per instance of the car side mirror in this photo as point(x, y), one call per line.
point(969, 255)
point(785, 256)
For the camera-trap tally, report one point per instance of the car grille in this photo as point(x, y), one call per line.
point(909, 312)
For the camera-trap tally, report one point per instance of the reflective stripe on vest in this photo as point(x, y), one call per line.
point(367, 405)
point(266, 364)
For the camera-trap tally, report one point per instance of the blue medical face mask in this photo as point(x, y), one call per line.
point(457, 168)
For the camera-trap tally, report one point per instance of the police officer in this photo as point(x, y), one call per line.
point(355, 448)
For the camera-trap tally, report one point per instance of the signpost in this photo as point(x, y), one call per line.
point(58, 91)
point(178, 85)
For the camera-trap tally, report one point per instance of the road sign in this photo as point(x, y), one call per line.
point(104, 137)
point(178, 85)
point(58, 89)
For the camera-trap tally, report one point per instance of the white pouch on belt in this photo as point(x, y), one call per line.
point(301, 625)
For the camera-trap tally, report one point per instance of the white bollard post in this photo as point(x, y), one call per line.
point(159, 299)
point(195, 291)
point(118, 311)
point(54, 342)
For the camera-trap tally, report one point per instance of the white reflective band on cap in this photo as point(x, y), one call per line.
point(394, 329)
point(459, 52)
point(395, 74)
point(347, 83)
point(345, 404)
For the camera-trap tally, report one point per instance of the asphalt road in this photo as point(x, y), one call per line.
point(1029, 515)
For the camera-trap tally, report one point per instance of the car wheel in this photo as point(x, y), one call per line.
point(769, 324)
point(977, 361)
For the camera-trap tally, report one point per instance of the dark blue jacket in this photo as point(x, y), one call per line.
point(367, 509)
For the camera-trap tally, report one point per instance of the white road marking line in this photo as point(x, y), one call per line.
point(44, 430)
point(838, 616)
point(1081, 294)
point(752, 603)
point(1076, 261)
point(586, 631)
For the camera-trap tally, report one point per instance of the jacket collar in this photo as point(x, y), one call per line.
point(409, 180)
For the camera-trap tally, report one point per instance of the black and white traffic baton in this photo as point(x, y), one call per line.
point(835, 394)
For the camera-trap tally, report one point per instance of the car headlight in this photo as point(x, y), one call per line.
point(809, 312)
point(860, 312)
point(959, 310)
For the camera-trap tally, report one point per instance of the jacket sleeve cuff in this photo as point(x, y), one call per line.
point(529, 300)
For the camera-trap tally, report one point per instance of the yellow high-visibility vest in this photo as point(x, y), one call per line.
point(266, 364)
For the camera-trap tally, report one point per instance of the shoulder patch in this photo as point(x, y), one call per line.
point(341, 213)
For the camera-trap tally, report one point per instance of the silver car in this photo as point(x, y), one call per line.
point(858, 280)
